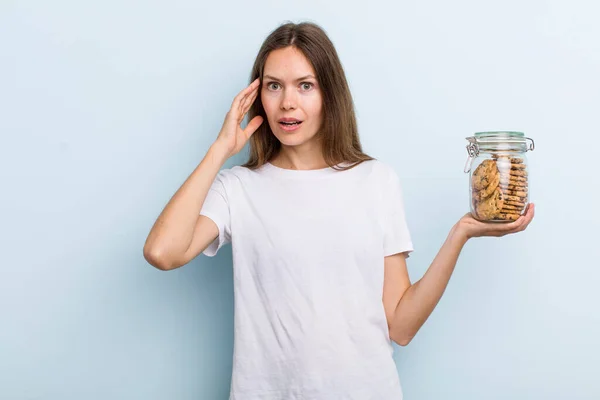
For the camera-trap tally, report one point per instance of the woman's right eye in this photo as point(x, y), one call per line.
point(270, 85)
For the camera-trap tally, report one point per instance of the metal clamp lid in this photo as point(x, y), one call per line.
point(473, 147)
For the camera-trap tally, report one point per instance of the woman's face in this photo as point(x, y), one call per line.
point(290, 93)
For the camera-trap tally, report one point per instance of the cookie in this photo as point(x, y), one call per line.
point(518, 211)
point(511, 181)
point(511, 197)
point(515, 203)
point(521, 188)
point(513, 172)
point(516, 194)
point(510, 166)
point(512, 178)
point(512, 186)
point(507, 157)
point(507, 216)
point(522, 192)
point(487, 191)
point(511, 207)
point(490, 206)
point(483, 174)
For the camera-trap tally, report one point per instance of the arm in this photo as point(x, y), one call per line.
point(180, 233)
point(179, 224)
point(417, 301)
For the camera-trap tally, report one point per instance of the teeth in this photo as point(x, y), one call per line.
point(291, 123)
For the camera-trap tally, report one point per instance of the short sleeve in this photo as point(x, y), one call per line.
point(216, 207)
point(397, 237)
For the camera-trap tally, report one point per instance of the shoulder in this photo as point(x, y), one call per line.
point(380, 170)
point(236, 174)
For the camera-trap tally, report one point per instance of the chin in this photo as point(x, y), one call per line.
point(292, 140)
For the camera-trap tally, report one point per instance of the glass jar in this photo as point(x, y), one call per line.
point(498, 175)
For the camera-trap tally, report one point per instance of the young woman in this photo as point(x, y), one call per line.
point(318, 234)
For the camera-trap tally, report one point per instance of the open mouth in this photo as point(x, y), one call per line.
point(290, 126)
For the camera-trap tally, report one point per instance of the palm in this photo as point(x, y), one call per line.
point(475, 228)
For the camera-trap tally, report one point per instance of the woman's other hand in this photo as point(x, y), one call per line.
point(470, 227)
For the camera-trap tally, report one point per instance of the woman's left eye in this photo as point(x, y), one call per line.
point(308, 84)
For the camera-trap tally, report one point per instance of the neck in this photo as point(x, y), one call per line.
point(290, 159)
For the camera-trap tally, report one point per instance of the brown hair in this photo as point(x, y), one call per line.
point(339, 130)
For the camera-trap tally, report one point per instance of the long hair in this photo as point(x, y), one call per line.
point(339, 131)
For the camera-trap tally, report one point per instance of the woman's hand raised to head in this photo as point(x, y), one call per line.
point(232, 137)
point(470, 227)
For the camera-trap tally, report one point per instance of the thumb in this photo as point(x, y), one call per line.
point(253, 125)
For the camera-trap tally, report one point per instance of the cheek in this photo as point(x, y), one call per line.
point(316, 108)
point(267, 104)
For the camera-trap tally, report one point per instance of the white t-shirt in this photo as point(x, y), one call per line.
point(308, 261)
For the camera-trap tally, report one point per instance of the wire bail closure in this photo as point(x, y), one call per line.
point(531, 145)
point(473, 149)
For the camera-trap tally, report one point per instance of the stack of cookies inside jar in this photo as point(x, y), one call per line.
point(499, 188)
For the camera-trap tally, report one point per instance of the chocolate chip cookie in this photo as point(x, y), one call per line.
point(487, 191)
point(507, 216)
point(483, 174)
point(488, 208)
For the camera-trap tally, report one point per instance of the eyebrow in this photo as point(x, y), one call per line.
point(297, 80)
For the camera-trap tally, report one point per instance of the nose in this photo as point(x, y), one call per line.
point(288, 102)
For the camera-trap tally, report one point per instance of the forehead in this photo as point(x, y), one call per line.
point(287, 63)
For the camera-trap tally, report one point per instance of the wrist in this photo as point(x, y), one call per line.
point(219, 152)
point(460, 232)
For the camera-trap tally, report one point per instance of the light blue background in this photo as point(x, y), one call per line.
point(106, 108)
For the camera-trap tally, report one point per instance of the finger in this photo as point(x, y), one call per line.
point(531, 209)
point(241, 104)
point(247, 105)
point(511, 227)
point(528, 220)
point(238, 99)
point(519, 223)
point(521, 227)
point(523, 221)
point(253, 126)
point(527, 217)
point(248, 101)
